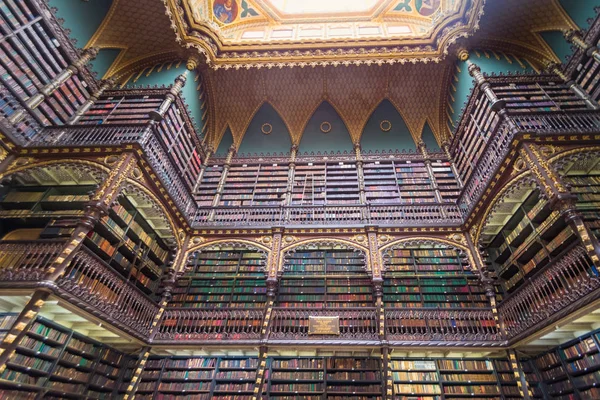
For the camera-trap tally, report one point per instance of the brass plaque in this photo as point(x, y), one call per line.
point(323, 325)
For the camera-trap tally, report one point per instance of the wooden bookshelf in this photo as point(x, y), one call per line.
point(381, 186)
point(202, 378)
point(122, 110)
point(255, 185)
point(446, 181)
point(224, 278)
point(531, 237)
point(587, 189)
point(123, 238)
point(430, 276)
point(125, 241)
point(357, 378)
point(31, 57)
point(571, 370)
point(53, 361)
point(179, 143)
point(324, 277)
point(205, 193)
point(6, 322)
point(437, 379)
point(309, 184)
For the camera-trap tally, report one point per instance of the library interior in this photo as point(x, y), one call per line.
point(300, 199)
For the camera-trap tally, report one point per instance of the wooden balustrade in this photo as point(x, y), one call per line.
point(27, 261)
point(554, 289)
point(441, 325)
point(556, 123)
point(92, 282)
point(355, 324)
point(90, 135)
point(395, 214)
point(87, 280)
point(224, 324)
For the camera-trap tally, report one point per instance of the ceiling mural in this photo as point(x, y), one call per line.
point(254, 33)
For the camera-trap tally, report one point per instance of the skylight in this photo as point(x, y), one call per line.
point(299, 7)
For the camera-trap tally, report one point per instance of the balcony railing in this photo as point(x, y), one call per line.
point(87, 282)
point(405, 215)
point(551, 293)
point(422, 325)
point(206, 325)
point(483, 138)
point(354, 324)
point(144, 135)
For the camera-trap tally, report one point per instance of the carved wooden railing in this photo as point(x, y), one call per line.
point(93, 283)
point(549, 124)
point(27, 261)
point(204, 325)
point(87, 282)
point(441, 325)
point(144, 135)
point(552, 292)
point(395, 214)
point(355, 324)
point(483, 138)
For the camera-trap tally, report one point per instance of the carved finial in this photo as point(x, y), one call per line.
point(192, 62)
point(463, 54)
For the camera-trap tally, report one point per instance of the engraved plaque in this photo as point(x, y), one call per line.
point(323, 325)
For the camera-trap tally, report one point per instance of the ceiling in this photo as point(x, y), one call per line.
point(412, 65)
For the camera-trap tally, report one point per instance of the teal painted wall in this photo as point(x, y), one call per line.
point(254, 141)
point(225, 144)
point(429, 138)
point(580, 10)
point(192, 92)
point(82, 18)
point(462, 83)
point(338, 139)
point(398, 138)
point(561, 47)
point(103, 61)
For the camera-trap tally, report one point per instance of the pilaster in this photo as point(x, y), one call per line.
point(376, 276)
point(519, 375)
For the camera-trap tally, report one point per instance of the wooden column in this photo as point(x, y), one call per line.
point(446, 148)
point(101, 201)
point(423, 149)
point(289, 190)
point(519, 374)
point(388, 392)
point(105, 85)
point(362, 196)
point(47, 91)
point(169, 281)
point(272, 277)
point(560, 198)
point(475, 72)
point(221, 185)
point(574, 86)
point(21, 325)
point(207, 154)
point(376, 276)
point(260, 373)
point(486, 280)
point(577, 39)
